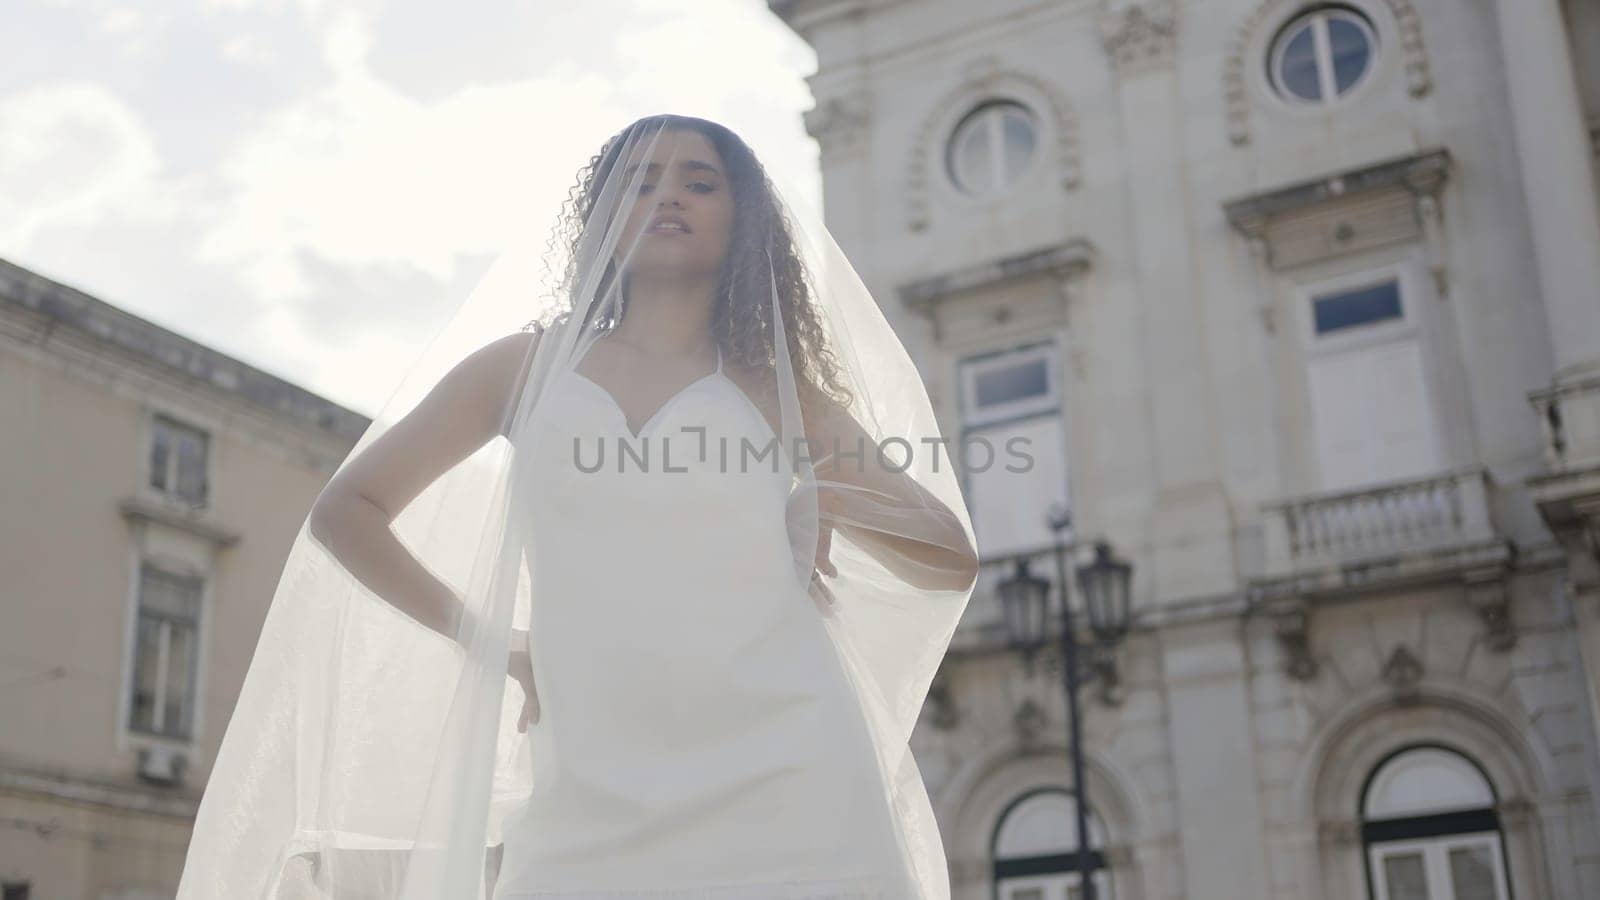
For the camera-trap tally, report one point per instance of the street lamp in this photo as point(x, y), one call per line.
point(1024, 602)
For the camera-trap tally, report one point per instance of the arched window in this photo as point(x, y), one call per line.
point(1430, 829)
point(992, 147)
point(1035, 850)
point(1322, 55)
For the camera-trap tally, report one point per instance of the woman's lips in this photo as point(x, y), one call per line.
point(668, 225)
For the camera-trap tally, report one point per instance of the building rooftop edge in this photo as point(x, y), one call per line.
point(142, 338)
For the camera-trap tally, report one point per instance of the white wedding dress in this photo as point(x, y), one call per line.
point(697, 738)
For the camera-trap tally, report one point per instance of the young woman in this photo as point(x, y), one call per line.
point(719, 558)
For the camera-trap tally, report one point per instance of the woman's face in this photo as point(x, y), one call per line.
point(683, 212)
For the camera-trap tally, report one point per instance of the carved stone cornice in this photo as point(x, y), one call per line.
point(1422, 173)
point(805, 16)
point(1402, 672)
point(1249, 44)
point(1292, 627)
point(84, 791)
point(840, 124)
point(1488, 595)
point(1065, 261)
point(1139, 35)
point(195, 522)
point(1311, 219)
point(1028, 721)
point(95, 336)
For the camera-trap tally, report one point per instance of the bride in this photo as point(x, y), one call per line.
point(685, 551)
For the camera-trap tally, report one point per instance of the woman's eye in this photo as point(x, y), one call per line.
point(702, 187)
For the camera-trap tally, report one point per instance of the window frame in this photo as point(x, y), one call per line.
point(129, 737)
point(1436, 862)
point(994, 109)
point(1432, 840)
point(968, 367)
point(1051, 406)
point(1409, 325)
point(1317, 19)
point(168, 621)
point(156, 421)
point(1408, 271)
point(1056, 884)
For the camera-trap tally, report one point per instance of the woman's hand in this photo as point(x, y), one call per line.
point(819, 591)
point(825, 548)
point(519, 666)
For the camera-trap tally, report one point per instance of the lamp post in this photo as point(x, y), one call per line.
point(1025, 602)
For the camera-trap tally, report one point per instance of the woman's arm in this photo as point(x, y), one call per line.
point(352, 517)
point(895, 519)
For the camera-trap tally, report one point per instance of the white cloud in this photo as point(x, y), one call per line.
point(344, 222)
point(69, 154)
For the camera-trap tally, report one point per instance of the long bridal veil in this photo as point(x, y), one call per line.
point(369, 756)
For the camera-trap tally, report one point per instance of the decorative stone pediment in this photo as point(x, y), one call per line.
point(1035, 287)
point(1383, 203)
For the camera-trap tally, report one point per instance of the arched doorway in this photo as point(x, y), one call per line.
point(1035, 849)
point(1430, 829)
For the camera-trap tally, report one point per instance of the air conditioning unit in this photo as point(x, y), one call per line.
point(162, 764)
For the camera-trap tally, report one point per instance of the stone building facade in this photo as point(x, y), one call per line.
point(152, 488)
point(1298, 305)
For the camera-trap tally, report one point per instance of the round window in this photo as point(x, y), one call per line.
point(1319, 57)
point(992, 147)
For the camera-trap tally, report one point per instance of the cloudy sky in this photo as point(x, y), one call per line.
point(313, 186)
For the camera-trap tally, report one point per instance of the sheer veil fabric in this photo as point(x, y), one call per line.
point(379, 748)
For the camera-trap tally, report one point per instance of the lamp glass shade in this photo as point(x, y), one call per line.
point(1105, 585)
point(1024, 601)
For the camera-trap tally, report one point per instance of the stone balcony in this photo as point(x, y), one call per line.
point(1382, 536)
point(1568, 494)
point(1329, 547)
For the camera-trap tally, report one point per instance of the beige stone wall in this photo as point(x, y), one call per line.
point(77, 820)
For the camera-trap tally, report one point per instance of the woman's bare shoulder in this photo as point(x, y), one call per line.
point(490, 378)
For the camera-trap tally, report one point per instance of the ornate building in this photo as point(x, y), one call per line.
point(152, 488)
point(1298, 305)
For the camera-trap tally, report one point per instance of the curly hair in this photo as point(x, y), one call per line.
point(761, 231)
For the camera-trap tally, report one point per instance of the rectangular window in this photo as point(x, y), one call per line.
point(1361, 306)
point(1013, 447)
point(1024, 380)
point(165, 654)
point(1451, 867)
point(178, 460)
point(1009, 385)
point(1372, 410)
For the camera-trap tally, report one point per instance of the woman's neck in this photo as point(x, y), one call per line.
point(669, 320)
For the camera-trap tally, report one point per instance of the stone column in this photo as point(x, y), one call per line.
point(1207, 691)
point(1554, 148)
point(1189, 528)
point(1218, 801)
point(1557, 177)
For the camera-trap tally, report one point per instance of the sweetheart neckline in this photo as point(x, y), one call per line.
point(644, 429)
point(665, 405)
